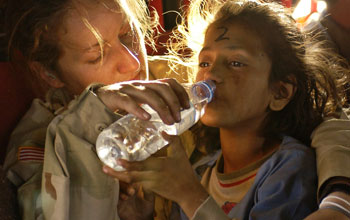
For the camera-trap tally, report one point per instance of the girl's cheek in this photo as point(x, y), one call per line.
point(199, 76)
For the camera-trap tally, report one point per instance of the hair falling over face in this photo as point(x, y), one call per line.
point(318, 74)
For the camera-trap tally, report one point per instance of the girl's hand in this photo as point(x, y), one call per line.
point(138, 205)
point(167, 97)
point(171, 177)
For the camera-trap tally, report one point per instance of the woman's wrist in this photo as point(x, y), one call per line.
point(338, 201)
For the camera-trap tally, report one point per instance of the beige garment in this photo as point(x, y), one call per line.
point(331, 139)
point(25, 171)
point(73, 185)
point(70, 158)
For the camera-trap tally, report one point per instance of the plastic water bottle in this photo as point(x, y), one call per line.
point(133, 139)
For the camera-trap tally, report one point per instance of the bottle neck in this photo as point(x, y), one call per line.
point(201, 92)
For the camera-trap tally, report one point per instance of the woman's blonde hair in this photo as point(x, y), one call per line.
point(32, 26)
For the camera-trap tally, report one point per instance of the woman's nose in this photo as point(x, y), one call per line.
point(127, 60)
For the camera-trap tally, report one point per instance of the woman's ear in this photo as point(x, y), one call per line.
point(50, 78)
point(283, 93)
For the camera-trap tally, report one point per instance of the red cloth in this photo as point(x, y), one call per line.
point(15, 99)
point(340, 13)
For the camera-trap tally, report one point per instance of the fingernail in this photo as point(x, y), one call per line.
point(170, 119)
point(131, 191)
point(145, 115)
point(178, 117)
point(105, 169)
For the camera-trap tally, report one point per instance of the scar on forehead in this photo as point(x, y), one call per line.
point(222, 35)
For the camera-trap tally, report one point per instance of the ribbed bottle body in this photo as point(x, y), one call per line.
point(134, 139)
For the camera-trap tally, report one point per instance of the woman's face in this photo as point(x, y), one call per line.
point(234, 58)
point(81, 62)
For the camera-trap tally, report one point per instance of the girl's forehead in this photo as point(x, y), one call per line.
point(227, 30)
point(236, 34)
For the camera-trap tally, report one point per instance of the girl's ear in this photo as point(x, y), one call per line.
point(283, 93)
point(50, 78)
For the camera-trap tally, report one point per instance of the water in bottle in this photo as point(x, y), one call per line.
point(133, 139)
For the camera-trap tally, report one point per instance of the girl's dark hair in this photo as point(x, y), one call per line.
point(317, 73)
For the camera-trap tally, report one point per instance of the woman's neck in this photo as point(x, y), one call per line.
point(241, 148)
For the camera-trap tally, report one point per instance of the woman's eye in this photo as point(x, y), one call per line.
point(97, 60)
point(203, 64)
point(236, 64)
point(128, 38)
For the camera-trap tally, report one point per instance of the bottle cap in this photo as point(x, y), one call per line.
point(204, 89)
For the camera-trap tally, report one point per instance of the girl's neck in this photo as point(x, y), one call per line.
point(241, 148)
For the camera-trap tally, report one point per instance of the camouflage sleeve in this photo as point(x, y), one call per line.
point(74, 186)
point(24, 159)
point(331, 141)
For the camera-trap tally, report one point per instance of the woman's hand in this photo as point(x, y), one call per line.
point(171, 177)
point(167, 97)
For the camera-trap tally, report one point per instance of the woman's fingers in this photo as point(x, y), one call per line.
point(170, 105)
point(116, 100)
point(180, 92)
point(167, 97)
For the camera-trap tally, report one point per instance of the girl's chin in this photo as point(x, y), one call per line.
point(208, 121)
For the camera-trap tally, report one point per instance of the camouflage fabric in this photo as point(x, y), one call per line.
point(8, 200)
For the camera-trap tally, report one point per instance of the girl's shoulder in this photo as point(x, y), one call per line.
point(291, 153)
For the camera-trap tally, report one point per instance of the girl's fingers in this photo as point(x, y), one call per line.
point(150, 164)
point(176, 148)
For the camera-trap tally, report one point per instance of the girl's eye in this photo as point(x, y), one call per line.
point(236, 64)
point(203, 64)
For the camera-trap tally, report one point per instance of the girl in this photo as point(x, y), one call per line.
point(274, 84)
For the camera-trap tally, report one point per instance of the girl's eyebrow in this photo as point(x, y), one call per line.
point(231, 47)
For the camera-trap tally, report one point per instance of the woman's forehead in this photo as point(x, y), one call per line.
point(78, 28)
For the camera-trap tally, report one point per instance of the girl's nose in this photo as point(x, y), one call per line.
point(213, 74)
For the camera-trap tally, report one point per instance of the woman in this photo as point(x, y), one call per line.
point(69, 45)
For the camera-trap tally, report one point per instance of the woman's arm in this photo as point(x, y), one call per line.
point(331, 142)
point(72, 171)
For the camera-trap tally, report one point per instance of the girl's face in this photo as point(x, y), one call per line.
point(234, 58)
point(82, 64)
